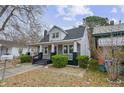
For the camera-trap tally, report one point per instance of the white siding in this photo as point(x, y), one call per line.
point(116, 41)
point(25, 50)
point(15, 51)
point(85, 49)
point(4, 49)
point(61, 35)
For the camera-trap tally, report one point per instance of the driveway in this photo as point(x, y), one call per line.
point(25, 67)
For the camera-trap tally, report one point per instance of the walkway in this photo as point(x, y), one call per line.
point(25, 67)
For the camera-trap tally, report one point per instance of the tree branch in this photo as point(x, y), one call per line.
point(7, 19)
point(20, 19)
point(3, 10)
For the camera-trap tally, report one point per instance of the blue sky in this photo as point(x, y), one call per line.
point(69, 16)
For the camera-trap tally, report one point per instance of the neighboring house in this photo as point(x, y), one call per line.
point(107, 36)
point(70, 42)
point(12, 48)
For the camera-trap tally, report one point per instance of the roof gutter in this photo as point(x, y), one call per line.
point(58, 41)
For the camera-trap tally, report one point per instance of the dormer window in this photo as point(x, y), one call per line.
point(55, 35)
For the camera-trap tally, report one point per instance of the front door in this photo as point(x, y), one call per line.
point(60, 49)
point(56, 49)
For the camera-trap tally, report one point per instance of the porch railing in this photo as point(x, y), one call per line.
point(37, 58)
point(70, 56)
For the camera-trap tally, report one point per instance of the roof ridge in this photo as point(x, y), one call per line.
point(109, 25)
point(74, 28)
point(59, 28)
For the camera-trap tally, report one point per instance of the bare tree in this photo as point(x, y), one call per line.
point(111, 50)
point(22, 22)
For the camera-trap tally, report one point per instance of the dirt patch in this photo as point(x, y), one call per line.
point(74, 71)
point(57, 77)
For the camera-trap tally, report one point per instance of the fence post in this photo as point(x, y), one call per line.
point(4, 70)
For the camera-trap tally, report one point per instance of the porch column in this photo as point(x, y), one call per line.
point(75, 54)
point(28, 47)
point(52, 48)
point(52, 53)
point(41, 48)
point(41, 52)
point(29, 50)
point(75, 46)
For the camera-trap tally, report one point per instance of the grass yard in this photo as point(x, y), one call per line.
point(59, 77)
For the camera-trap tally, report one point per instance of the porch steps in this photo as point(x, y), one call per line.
point(42, 62)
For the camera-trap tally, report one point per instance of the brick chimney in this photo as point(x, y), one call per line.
point(119, 21)
point(45, 32)
point(112, 22)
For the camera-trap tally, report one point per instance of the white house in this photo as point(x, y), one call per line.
point(69, 42)
point(12, 48)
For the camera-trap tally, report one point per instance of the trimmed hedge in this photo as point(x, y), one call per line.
point(59, 61)
point(25, 58)
point(83, 61)
point(93, 64)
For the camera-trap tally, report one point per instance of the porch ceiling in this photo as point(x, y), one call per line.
point(57, 42)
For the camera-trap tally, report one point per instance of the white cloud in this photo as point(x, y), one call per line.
point(67, 18)
point(118, 9)
point(70, 12)
point(60, 10)
point(114, 10)
point(121, 8)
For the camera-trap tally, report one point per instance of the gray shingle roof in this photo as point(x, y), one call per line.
point(108, 29)
point(45, 39)
point(73, 33)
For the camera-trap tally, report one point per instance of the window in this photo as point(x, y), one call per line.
point(20, 50)
point(45, 50)
point(57, 34)
point(65, 49)
point(70, 48)
point(53, 35)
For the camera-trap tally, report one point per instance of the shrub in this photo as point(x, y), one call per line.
point(83, 61)
point(93, 64)
point(59, 61)
point(25, 58)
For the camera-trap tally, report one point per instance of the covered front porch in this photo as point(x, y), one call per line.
point(71, 48)
point(60, 48)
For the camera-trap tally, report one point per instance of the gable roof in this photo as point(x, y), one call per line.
point(108, 29)
point(73, 33)
point(58, 28)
